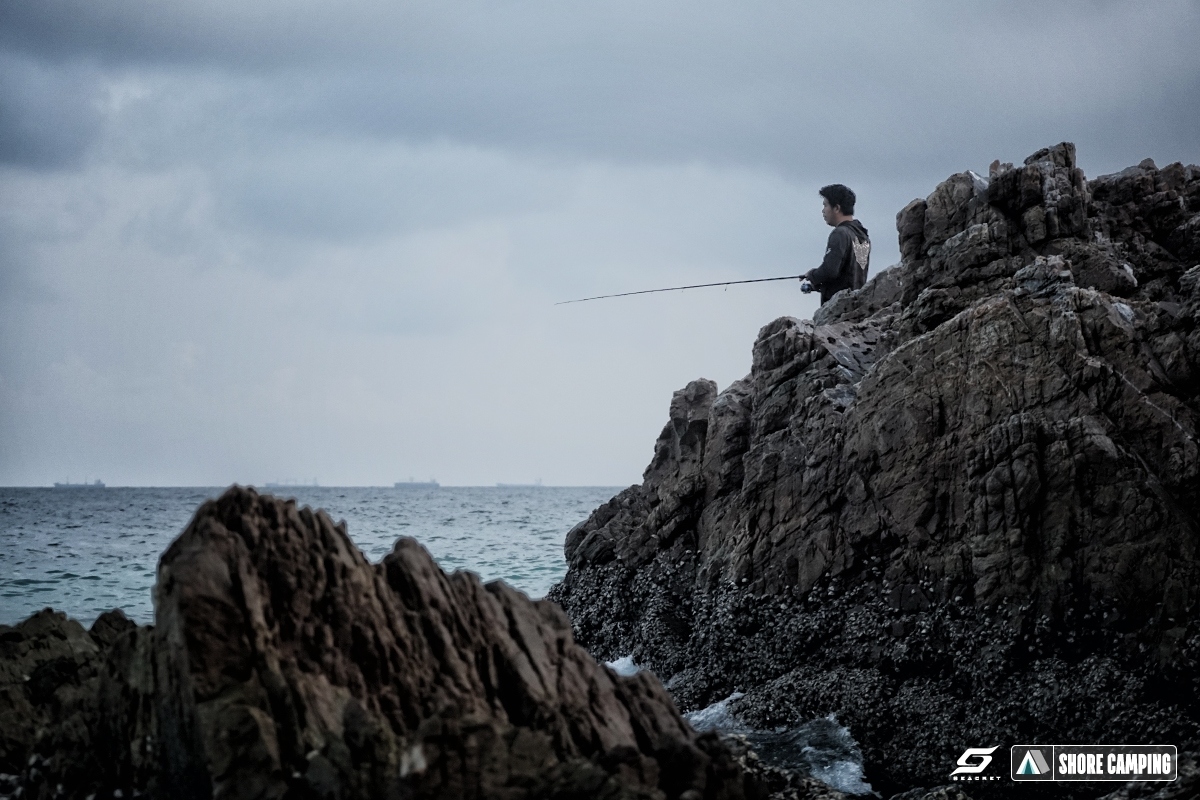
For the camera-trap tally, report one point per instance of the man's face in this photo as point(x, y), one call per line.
point(827, 211)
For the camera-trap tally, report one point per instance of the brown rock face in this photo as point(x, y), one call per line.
point(959, 507)
point(396, 680)
point(285, 665)
point(48, 681)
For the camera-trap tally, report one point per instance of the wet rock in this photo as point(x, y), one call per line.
point(1186, 786)
point(968, 498)
point(109, 626)
point(782, 784)
point(940, 793)
point(49, 715)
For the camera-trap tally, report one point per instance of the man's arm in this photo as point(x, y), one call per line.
point(835, 256)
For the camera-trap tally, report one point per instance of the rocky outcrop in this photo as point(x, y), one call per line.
point(51, 724)
point(960, 507)
point(283, 664)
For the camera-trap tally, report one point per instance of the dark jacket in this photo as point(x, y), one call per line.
point(847, 257)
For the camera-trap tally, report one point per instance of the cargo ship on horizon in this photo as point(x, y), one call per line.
point(411, 484)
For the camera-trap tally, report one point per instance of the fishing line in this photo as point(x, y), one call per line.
point(677, 288)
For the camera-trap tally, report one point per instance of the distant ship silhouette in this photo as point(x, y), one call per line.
point(289, 484)
point(96, 484)
point(411, 484)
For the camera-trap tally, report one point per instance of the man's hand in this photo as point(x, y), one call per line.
point(805, 285)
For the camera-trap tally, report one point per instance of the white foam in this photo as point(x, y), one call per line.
point(821, 748)
point(718, 717)
point(623, 666)
point(845, 776)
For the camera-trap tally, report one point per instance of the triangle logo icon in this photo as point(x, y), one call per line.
point(1029, 766)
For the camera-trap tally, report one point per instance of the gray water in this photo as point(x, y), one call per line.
point(85, 551)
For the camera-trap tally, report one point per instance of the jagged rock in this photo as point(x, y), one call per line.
point(48, 678)
point(940, 793)
point(283, 664)
point(969, 492)
point(910, 224)
point(782, 784)
point(1185, 787)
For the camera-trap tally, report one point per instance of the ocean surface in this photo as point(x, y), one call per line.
point(85, 551)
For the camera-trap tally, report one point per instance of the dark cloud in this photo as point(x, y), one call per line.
point(223, 222)
point(899, 87)
point(48, 116)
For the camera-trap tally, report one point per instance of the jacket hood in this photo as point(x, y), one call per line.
point(855, 226)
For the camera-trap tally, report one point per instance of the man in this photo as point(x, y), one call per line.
point(849, 250)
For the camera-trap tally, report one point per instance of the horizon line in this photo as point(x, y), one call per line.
point(498, 485)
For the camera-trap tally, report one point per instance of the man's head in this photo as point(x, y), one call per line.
point(838, 205)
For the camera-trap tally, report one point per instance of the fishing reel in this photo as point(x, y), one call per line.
point(805, 286)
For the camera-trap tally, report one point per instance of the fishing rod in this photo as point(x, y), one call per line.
point(677, 288)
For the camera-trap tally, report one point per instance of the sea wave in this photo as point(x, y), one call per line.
point(820, 747)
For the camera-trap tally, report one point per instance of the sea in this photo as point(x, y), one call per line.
point(85, 551)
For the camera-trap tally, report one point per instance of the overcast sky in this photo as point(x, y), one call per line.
point(285, 241)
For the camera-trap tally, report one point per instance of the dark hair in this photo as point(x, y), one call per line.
point(839, 196)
